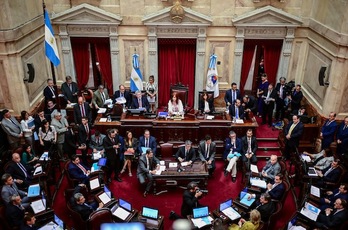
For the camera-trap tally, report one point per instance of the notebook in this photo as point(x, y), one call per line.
point(312, 171)
point(244, 198)
point(150, 213)
point(226, 208)
point(34, 190)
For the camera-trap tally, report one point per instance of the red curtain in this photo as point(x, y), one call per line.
point(102, 49)
point(248, 52)
point(177, 58)
point(81, 61)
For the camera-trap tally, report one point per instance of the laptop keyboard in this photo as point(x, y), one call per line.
point(152, 222)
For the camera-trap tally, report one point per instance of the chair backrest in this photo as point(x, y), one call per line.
point(282, 167)
point(72, 181)
point(181, 92)
point(78, 222)
point(166, 151)
point(286, 191)
point(98, 217)
point(274, 216)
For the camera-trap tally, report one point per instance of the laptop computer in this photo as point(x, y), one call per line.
point(105, 197)
point(122, 209)
point(34, 190)
point(102, 162)
point(226, 208)
point(225, 205)
point(312, 171)
point(151, 215)
point(59, 222)
point(200, 212)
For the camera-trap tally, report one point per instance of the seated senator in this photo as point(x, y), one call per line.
point(275, 190)
point(321, 160)
point(140, 102)
point(271, 169)
point(333, 218)
point(84, 209)
point(328, 200)
point(175, 105)
point(206, 105)
point(78, 170)
point(233, 149)
point(186, 153)
point(330, 174)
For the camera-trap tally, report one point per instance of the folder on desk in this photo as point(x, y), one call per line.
point(244, 199)
point(34, 190)
point(143, 149)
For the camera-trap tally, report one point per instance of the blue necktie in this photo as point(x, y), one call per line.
point(237, 113)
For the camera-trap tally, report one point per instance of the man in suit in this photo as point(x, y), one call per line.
point(296, 98)
point(265, 207)
point(21, 173)
point(140, 101)
point(39, 118)
point(70, 90)
point(83, 208)
point(148, 142)
point(249, 104)
point(333, 218)
point(206, 151)
point(269, 98)
point(122, 92)
point(147, 166)
point(12, 128)
point(236, 110)
point(328, 131)
point(99, 97)
point(233, 149)
point(15, 211)
point(275, 190)
point(186, 153)
point(330, 196)
point(96, 143)
point(113, 150)
point(84, 134)
point(82, 109)
point(280, 103)
point(79, 171)
point(10, 188)
point(342, 137)
point(190, 199)
point(29, 222)
point(330, 174)
point(271, 169)
point(49, 91)
point(293, 131)
point(232, 94)
point(61, 125)
point(249, 147)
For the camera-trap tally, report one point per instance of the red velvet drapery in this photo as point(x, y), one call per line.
point(177, 58)
point(271, 49)
point(102, 49)
point(81, 61)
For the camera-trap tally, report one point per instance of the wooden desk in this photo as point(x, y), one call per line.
point(130, 218)
point(225, 220)
point(149, 225)
point(195, 172)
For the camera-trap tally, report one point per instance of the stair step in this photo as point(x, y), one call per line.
point(266, 148)
point(268, 144)
point(267, 139)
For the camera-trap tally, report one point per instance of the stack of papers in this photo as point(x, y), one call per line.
point(201, 222)
point(108, 102)
point(184, 163)
point(254, 168)
point(231, 213)
point(310, 211)
point(103, 119)
point(173, 165)
point(305, 158)
point(239, 121)
point(96, 155)
point(254, 181)
point(102, 110)
point(121, 100)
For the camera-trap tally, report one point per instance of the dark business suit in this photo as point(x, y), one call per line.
point(335, 195)
point(189, 203)
point(152, 144)
point(38, 121)
point(126, 95)
point(296, 98)
point(268, 106)
point(280, 103)
point(17, 173)
point(190, 156)
point(144, 102)
point(70, 94)
point(49, 94)
point(333, 175)
point(112, 155)
point(328, 130)
point(97, 144)
point(143, 170)
point(78, 115)
point(277, 192)
point(266, 210)
point(27, 227)
point(333, 221)
point(342, 135)
point(69, 145)
point(15, 215)
point(293, 142)
point(228, 96)
point(203, 154)
point(254, 147)
point(232, 111)
point(236, 147)
point(77, 173)
point(210, 103)
point(83, 139)
point(251, 104)
point(83, 210)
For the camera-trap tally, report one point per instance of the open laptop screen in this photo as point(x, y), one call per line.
point(124, 204)
point(150, 212)
point(58, 221)
point(226, 204)
point(102, 162)
point(107, 191)
point(200, 212)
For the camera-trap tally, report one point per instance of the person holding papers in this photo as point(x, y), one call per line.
point(148, 164)
point(175, 106)
point(186, 153)
point(70, 90)
point(15, 212)
point(78, 170)
point(99, 97)
point(271, 169)
point(249, 147)
point(147, 141)
point(122, 93)
point(322, 159)
point(190, 199)
point(10, 188)
point(330, 196)
point(96, 143)
point(330, 174)
point(140, 102)
point(28, 127)
point(131, 150)
point(252, 224)
point(333, 218)
point(28, 157)
point(29, 222)
point(233, 148)
point(83, 208)
point(82, 109)
point(206, 151)
point(269, 97)
point(236, 110)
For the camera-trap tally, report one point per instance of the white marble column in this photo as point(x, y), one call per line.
point(200, 76)
point(67, 52)
point(238, 56)
point(115, 58)
point(284, 59)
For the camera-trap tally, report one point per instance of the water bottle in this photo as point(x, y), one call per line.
point(109, 118)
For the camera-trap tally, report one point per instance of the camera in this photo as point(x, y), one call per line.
point(204, 191)
point(288, 87)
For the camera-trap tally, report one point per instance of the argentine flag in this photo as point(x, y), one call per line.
point(212, 76)
point(50, 42)
point(136, 77)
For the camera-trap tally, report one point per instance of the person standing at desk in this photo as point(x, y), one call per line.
point(49, 91)
point(147, 141)
point(233, 149)
point(328, 131)
point(112, 152)
point(12, 128)
point(269, 97)
point(293, 131)
point(186, 153)
point(99, 97)
point(232, 95)
point(151, 91)
point(122, 92)
point(70, 90)
point(82, 109)
point(206, 151)
point(190, 199)
point(148, 164)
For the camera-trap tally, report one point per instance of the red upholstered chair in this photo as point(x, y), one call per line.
point(72, 182)
point(181, 92)
point(98, 217)
point(166, 151)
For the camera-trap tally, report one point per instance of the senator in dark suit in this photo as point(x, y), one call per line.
point(84, 209)
point(281, 95)
point(122, 92)
point(186, 153)
point(82, 109)
point(333, 218)
point(342, 137)
point(19, 171)
point(293, 132)
point(78, 170)
point(49, 91)
point(265, 206)
point(296, 98)
point(147, 166)
point(330, 174)
point(269, 97)
point(15, 211)
point(84, 136)
point(328, 131)
point(329, 199)
point(139, 98)
point(96, 143)
point(29, 222)
point(250, 104)
point(12, 128)
point(148, 142)
point(249, 147)
point(113, 151)
point(232, 94)
point(277, 189)
point(70, 90)
point(235, 109)
point(207, 151)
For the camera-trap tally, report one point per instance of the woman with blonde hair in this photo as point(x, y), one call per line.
point(252, 224)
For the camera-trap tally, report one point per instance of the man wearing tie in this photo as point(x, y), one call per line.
point(249, 147)
point(84, 136)
point(140, 102)
point(99, 97)
point(147, 141)
point(186, 153)
point(330, 196)
point(280, 103)
point(15, 212)
point(328, 131)
point(70, 90)
point(342, 137)
point(79, 171)
point(61, 125)
point(296, 98)
point(122, 92)
point(113, 149)
point(330, 174)
point(96, 143)
point(233, 149)
point(232, 94)
point(292, 132)
point(22, 174)
point(333, 218)
point(82, 109)
point(236, 110)
point(271, 169)
point(147, 167)
point(206, 151)
point(12, 128)
point(49, 91)
point(10, 188)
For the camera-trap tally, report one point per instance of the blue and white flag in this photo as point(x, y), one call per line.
point(136, 77)
point(50, 42)
point(212, 76)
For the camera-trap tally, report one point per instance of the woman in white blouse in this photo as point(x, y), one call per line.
point(151, 91)
point(175, 105)
point(28, 127)
point(47, 135)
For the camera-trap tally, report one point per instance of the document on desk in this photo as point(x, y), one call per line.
point(97, 155)
point(34, 190)
point(50, 226)
point(173, 165)
point(201, 222)
point(104, 198)
point(315, 191)
point(103, 119)
point(38, 206)
point(239, 121)
point(210, 117)
point(102, 110)
point(305, 158)
point(310, 211)
point(121, 213)
point(162, 162)
point(94, 183)
point(258, 182)
point(38, 170)
point(231, 213)
point(185, 163)
point(254, 168)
